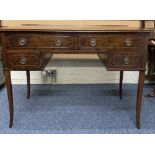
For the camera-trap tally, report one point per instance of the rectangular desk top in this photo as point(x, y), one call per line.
point(73, 28)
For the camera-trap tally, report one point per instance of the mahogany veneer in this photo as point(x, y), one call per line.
point(29, 48)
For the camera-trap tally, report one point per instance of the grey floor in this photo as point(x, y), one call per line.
point(94, 109)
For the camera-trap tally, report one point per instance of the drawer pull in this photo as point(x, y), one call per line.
point(93, 42)
point(126, 60)
point(22, 41)
point(58, 42)
point(23, 60)
point(128, 42)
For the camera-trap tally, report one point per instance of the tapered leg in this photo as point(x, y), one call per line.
point(139, 97)
point(120, 84)
point(8, 84)
point(28, 83)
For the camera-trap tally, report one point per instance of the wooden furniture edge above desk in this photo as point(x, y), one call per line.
point(125, 49)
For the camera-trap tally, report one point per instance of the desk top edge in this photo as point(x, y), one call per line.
point(73, 28)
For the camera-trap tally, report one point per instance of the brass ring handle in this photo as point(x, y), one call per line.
point(93, 42)
point(58, 42)
point(22, 41)
point(126, 60)
point(23, 60)
point(128, 42)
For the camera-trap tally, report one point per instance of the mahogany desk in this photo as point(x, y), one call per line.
point(29, 48)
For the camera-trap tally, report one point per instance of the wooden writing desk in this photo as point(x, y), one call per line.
point(29, 48)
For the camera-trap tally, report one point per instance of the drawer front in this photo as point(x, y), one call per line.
point(40, 41)
point(24, 61)
point(127, 60)
point(111, 41)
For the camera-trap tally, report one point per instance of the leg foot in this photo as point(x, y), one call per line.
point(7, 75)
point(139, 97)
point(28, 84)
point(120, 84)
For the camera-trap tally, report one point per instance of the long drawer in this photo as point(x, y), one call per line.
point(110, 41)
point(75, 41)
point(53, 41)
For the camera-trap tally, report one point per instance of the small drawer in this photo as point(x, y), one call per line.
point(126, 60)
point(24, 61)
point(53, 41)
point(111, 41)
